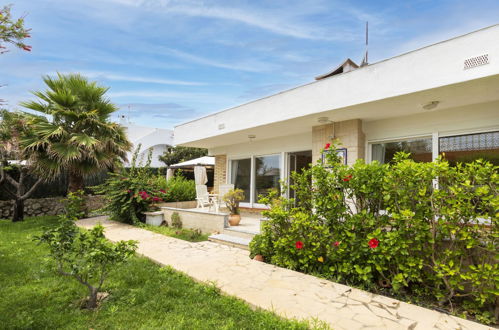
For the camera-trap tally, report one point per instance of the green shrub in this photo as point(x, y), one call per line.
point(390, 228)
point(74, 205)
point(87, 256)
point(179, 188)
point(176, 221)
point(131, 192)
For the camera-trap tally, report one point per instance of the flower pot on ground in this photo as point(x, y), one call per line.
point(234, 219)
point(154, 218)
point(232, 200)
point(259, 257)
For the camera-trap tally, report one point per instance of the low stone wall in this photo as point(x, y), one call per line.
point(47, 206)
point(208, 223)
point(179, 205)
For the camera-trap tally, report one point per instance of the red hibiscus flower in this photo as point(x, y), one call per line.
point(347, 178)
point(373, 243)
point(299, 245)
point(336, 243)
point(328, 145)
point(156, 199)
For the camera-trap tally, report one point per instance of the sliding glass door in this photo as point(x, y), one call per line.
point(256, 176)
point(241, 176)
point(267, 175)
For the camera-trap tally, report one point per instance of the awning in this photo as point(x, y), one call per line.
point(202, 161)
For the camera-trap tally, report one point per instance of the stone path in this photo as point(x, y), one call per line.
point(287, 293)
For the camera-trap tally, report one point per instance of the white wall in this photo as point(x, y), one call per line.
point(149, 137)
point(291, 143)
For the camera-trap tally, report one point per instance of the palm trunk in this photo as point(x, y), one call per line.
point(75, 182)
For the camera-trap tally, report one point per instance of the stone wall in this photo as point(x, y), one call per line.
point(349, 133)
point(220, 176)
point(47, 206)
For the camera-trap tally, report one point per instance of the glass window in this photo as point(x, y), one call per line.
point(241, 176)
point(420, 150)
point(267, 174)
point(466, 148)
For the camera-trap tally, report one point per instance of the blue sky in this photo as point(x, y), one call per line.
point(171, 61)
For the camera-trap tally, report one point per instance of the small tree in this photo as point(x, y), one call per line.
point(87, 256)
point(12, 127)
point(174, 155)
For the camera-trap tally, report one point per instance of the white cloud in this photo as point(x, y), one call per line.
point(151, 80)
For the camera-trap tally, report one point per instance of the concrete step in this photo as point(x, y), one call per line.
point(239, 242)
point(238, 232)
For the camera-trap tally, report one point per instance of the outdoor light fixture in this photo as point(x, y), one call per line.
point(251, 137)
point(431, 105)
point(323, 120)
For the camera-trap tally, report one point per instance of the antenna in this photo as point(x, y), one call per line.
point(365, 61)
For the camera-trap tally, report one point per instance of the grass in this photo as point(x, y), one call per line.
point(143, 295)
point(185, 234)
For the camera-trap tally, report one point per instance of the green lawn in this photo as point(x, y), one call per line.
point(143, 294)
point(185, 234)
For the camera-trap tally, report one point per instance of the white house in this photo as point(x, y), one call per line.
point(440, 98)
point(149, 137)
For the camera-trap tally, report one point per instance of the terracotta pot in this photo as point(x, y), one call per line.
point(259, 257)
point(234, 219)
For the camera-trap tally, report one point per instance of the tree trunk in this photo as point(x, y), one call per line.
point(75, 182)
point(18, 214)
point(92, 298)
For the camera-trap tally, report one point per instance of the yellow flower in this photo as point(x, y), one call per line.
point(321, 259)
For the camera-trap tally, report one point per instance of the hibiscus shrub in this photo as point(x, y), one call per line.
point(426, 231)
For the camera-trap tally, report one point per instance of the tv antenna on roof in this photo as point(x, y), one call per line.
point(365, 59)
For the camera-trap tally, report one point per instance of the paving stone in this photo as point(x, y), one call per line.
point(286, 292)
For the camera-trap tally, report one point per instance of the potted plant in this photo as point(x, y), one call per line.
point(232, 199)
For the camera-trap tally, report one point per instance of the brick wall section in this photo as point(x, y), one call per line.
point(349, 133)
point(220, 175)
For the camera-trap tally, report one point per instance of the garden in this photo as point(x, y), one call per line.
point(140, 294)
point(425, 233)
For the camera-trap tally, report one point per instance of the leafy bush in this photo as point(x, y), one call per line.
point(74, 205)
point(86, 256)
point(131, 193)
point(176, 222)
point(424, 230)
point(179, 188)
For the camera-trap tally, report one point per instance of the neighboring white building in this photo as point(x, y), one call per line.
point(149, 137)
point(440, 98)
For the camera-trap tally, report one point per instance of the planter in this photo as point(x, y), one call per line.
point(234, 219)
point(154, 218)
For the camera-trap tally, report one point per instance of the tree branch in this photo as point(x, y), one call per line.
point(32, 189)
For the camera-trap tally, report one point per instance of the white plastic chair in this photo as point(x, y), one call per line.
point(206, 199)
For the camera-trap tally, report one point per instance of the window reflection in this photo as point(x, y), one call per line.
point(267, 174)
point(420, 150)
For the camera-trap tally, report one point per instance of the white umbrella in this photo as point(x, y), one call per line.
point(169, 173)
point(200, 175)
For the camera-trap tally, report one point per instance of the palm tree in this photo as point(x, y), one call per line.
point(73, 133)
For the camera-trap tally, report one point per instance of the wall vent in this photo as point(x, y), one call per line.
point(473, 62)
point(221, 126)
